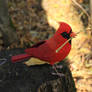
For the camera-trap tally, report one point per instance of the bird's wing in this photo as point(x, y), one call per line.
point(38, 44)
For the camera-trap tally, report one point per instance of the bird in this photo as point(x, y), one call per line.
point(49, 50)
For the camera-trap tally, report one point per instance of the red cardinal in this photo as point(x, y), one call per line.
point(46, 50)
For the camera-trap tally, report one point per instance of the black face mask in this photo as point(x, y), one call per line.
point(66, 35)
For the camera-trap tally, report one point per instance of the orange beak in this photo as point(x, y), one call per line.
point(73, 34)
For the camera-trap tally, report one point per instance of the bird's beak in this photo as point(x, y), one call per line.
point(73, 34)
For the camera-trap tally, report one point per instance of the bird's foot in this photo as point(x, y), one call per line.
point(58, 74)
point(59, 66)
point(56, 71)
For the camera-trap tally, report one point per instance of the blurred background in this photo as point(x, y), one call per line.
point(36, 20)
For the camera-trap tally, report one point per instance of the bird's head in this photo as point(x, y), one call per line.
point(65, 30)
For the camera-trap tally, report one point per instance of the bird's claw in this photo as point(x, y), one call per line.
point(59, 66)
point(58, 74)
point(56, 71)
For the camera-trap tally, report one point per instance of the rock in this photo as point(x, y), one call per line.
point(17, 77)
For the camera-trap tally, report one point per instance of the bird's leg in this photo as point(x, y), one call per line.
point(59, 66)
point(57, 73)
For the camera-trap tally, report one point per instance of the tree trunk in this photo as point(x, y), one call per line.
point(8, 33)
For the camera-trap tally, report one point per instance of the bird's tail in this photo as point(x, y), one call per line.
point(20, 57)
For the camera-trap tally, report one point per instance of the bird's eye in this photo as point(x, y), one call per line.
point(70, 32)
